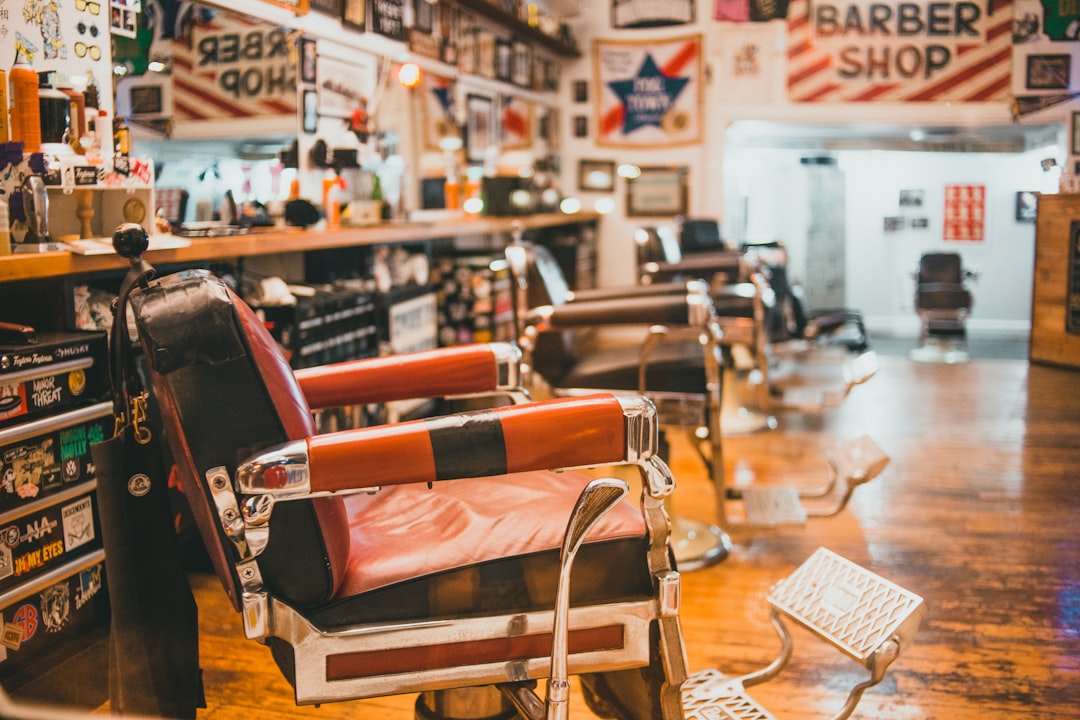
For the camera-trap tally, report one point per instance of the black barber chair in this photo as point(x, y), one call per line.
point(673, 354)
point(943, 301)
point(662, 341)
point(434, 556)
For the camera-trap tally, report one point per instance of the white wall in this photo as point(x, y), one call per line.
point(723, 176)
point(879, 263)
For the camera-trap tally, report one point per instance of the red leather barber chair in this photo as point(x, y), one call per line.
point(434, 556)
point(360, 568)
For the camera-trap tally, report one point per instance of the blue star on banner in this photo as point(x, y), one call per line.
point(647, 96)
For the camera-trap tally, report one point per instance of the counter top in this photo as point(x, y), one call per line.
point(53, 264)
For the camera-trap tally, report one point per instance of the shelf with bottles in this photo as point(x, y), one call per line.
point(84, 200)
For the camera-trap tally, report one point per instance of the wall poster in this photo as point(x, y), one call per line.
point(965, 213)
point(648, 93)
point(921, 51)
point(651, 13)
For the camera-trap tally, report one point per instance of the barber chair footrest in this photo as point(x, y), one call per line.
point(772, 506)
point(847, 605)
point(711, 695)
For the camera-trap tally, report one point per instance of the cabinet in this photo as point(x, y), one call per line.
point(1055, 302)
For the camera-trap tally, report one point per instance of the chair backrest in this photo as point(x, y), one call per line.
point(226, 392)
point(699, 235)
point(941, 267)
point(657, 244)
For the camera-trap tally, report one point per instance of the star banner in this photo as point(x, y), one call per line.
point(649, 93)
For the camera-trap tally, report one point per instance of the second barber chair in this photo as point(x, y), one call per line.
point(943, 301)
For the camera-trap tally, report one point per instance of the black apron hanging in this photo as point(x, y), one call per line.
point(153, 637)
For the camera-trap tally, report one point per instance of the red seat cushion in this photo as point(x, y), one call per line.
point(409, 531)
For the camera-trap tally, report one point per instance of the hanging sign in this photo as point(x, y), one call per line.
point(233, 68)
point(649, 92)
point(387, 18)
point(872, 51)
point(651, 13)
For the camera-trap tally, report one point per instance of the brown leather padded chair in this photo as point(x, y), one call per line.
point(942, 299)
point(358, 562)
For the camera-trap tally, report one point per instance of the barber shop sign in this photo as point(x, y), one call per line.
point(874, 51)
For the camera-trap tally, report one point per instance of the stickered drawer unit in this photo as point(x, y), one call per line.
point(55, 373)
point(41, 457)
point(46, 534)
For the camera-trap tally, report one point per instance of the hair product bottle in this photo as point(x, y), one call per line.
point(4, 134)
point(25, 111)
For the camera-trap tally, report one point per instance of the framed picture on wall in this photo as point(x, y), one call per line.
point(1048, 72)
point(657, 192)
point(1075, 141)
point(423, 16)
point(308, 60)
point(311, 111)
point(596, 175)
point(1027, 205)
point(354, 14)
point(479, 126)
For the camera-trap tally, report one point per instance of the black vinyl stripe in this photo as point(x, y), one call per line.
point(468, 445)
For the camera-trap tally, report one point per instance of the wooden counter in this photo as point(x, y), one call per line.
point(1054, 338)
point(53, 264)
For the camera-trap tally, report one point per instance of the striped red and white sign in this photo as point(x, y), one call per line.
point(921, 51)
point(233, 68)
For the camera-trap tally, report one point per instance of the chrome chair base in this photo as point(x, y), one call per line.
point(698, 544)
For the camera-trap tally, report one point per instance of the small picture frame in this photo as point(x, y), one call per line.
point(354, 14)
point(479, 126)
point(1074, 144)
point(581, 91)
point(308, 60)
point(596, 175)
point(1048, 72)
point(920, 223)
point(911, 198)
point(504, 59)
point(521, 64)
point(581, 126)
point(423, 16)
point(658, 192)
point(1027, 206)
point(311, 111)
point(894, 223)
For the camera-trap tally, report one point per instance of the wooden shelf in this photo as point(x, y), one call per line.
point(524, 29)
point(54, 264)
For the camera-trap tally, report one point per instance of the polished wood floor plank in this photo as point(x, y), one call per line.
point(977, 513)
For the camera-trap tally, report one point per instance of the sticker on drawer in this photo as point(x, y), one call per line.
point(45, 621)
point(41, 540)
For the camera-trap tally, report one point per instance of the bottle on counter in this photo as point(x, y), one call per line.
point(121, 138)
point(5, 134)
point(25, 110)
point(5, 228)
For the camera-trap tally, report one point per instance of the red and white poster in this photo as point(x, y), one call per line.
point(965, 213)
point(649, 93)
point(920, 51)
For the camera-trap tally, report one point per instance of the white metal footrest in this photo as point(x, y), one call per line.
point(858, 461)
point(864, 615)
point(847, 605)
point(711, 695)
point(772, 506)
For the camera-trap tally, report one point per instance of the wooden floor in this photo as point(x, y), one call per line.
point(978, 512)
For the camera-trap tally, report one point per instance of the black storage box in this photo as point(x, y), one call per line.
point(62, 370)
